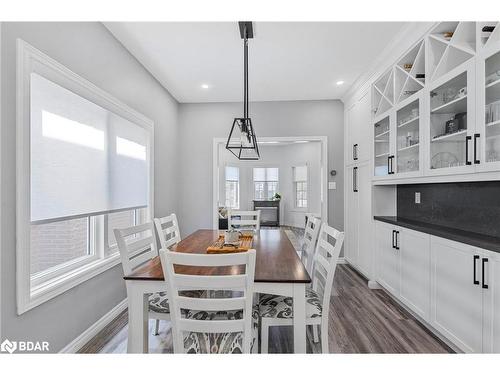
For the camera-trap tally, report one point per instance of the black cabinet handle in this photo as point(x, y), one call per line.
point(476, 160)
point(390, 164)
point(355, 179)
point(397, 240)
point(474, 262)
point(485, 260)
point(393, 234)
point(467, 139)
point(355, 151)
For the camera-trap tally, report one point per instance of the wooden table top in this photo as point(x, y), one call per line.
point(276, 259)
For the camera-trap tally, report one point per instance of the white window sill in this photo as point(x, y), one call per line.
point(56, 286)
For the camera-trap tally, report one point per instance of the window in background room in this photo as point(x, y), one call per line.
point(232, 187)
point(300, 186)
point(266, 183)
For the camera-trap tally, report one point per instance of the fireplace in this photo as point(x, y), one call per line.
point(269, 212)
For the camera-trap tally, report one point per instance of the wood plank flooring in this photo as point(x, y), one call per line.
point(361, 321)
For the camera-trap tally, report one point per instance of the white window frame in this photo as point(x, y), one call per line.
point(238, 187)
point(30, 60)
point(295, 191)
point(266, 182)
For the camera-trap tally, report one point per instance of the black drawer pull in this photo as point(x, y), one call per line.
point(397, 240)
point(485, 260)
point(393, 234)
point(474, 262)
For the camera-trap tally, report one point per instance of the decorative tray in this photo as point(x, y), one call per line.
point(220, 247)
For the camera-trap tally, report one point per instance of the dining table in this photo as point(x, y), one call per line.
point(278, 270)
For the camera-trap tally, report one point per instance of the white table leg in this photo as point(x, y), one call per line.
point(299, 318)
point(138, 319)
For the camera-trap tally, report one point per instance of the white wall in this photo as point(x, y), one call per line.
point(200, 123)
point(284, 157)
point(92, 52)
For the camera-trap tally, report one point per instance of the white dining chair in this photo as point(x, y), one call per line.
point(137, 245)
point(277, 310)
point(243, 220)
point(167, 229)
point(308, 242)
point(211, 325)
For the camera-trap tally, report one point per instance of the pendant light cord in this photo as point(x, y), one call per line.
point(245, 74)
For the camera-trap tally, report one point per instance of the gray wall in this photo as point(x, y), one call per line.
point(92, 52)
point(200, 123)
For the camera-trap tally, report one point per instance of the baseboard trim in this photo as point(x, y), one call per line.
point(94, 329)
point(372, 284)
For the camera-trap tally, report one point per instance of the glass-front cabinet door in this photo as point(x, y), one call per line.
point(488, 84)
point(408, 148)
point(451, 122)
point(383, 161)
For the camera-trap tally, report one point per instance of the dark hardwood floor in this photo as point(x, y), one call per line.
point(361, 321)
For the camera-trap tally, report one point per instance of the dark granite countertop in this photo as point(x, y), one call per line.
point(470, 238)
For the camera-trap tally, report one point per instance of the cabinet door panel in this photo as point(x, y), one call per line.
point(388, 259)
point(365, 243)
point(415, 270)
point(491, 309)
point(456, 302)
point(351, 253)
point(363, 126)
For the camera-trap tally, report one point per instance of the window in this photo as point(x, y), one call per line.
point(300, 186)
point(265, 182)
point(84, 170)
point(232, 187)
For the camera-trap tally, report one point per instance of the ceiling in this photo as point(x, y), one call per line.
point(287, 60)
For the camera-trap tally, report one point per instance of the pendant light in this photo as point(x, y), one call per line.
point(242, 141)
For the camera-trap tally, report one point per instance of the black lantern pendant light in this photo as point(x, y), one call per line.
point(242, 141)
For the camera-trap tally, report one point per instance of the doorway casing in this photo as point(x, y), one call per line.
point(323, 174)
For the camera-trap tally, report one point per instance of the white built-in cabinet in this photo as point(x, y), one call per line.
point(457, 296)
point(491, 304)
point(358, 248)
point(403, 267)
point(452, 286)
point(436, 111)
point(358, 118)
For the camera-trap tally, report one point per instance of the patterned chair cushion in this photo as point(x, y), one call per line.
point(272, 306)
point(158, 302)
point(219, 343)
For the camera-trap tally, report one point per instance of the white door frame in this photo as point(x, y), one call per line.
point(323, 174)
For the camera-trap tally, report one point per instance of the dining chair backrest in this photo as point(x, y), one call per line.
point(137, 244)
point(309, 240)
point(325, 263)
point(168, 231)
point(240, 282)
point(243, 219)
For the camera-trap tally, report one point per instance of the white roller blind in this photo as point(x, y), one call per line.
point(85, 159)
point(300, 173)
point(232, 173)
point(265, 174)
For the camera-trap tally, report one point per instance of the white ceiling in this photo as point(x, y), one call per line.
point(287, 60)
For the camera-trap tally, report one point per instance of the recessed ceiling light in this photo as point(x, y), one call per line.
point(205, 86)
point(301, 141)
point(340, 83)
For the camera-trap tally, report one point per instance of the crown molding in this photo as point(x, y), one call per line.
point(408, 36)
